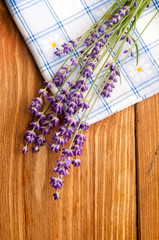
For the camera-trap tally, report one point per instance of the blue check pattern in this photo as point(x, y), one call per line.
point(43, 22)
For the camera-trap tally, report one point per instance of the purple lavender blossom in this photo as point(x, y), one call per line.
point(89, 41)
point(45, 130)
point(126, 51)
point(30, 136)
point(95, 34)
point(51, 99)
point(84, 104)
point(91, 63)
point(25, 149)
point(76, 162)
point(67, 152)
point(74, 42)
point(59, 78)
point(87, 72)
point(85, 126)
point(72, 85)
point(53, 118)
point(41, 116)
point(123, 37)
point(58, 107)
point(56, 183)
point(55, 147)
point(109, 83)
point(81, 84)
point(101, 43)
point(67, 131)
point(48, 84)
point(67, 47)
point(95, 51)
point(36, 149)
point(67, 68)
point(77, 149)
point(74, 61)
point(128, 39)
point(70, 111)
point(36, 105)
point(49, 125)
point(43, 92)
point(77, 94)
point(107, 65)
point(80, 136)
point(59, 139)
point(66, 92)
point(56, 196)
point(61, 171)
point(61, 97)
point(72, 121)
point(72, 105)
point(40, 140)
point(38, 100)
point(131, 53)
point(35, 125)
point(102, 29)
point(58, 52)
point(135, 4)
point(118, 16)
point(124, 11)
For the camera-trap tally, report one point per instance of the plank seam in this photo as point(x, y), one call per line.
point(138, 229)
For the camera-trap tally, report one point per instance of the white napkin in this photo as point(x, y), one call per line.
point(46, 24)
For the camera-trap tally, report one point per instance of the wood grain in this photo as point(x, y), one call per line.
point(98, 201)
point(148, 167)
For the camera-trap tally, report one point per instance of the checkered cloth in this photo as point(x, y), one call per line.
point(46, 24)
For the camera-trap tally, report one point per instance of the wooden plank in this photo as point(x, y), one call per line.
point(115, 201)
point(148, 167)
point(98, 200)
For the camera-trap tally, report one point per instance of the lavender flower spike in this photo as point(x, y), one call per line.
point(25, 149)
point(56, 196)
point(92, 66)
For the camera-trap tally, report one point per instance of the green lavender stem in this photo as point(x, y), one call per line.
point(117, 55)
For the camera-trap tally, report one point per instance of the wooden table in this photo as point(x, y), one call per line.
point(113, 195)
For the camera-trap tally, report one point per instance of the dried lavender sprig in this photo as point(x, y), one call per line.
point(84, 114)
point(116, 4)
point(66, 79)
point(31, 133)
point(120, 48)
point(59, 89)
point(55, 146)
point(57, 183)
point(112, 36)
point(109, 47)
point(138, 37)
point(85, 53)
point(100, 58)
point(88, 31)
point(42, 93)
point(25, 148)
point(117, 55)
point(97, 40)
point(53, 180)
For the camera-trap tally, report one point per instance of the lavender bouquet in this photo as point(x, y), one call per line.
point(94, 54)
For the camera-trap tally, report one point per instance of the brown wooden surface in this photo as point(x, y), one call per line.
point(113, 195)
